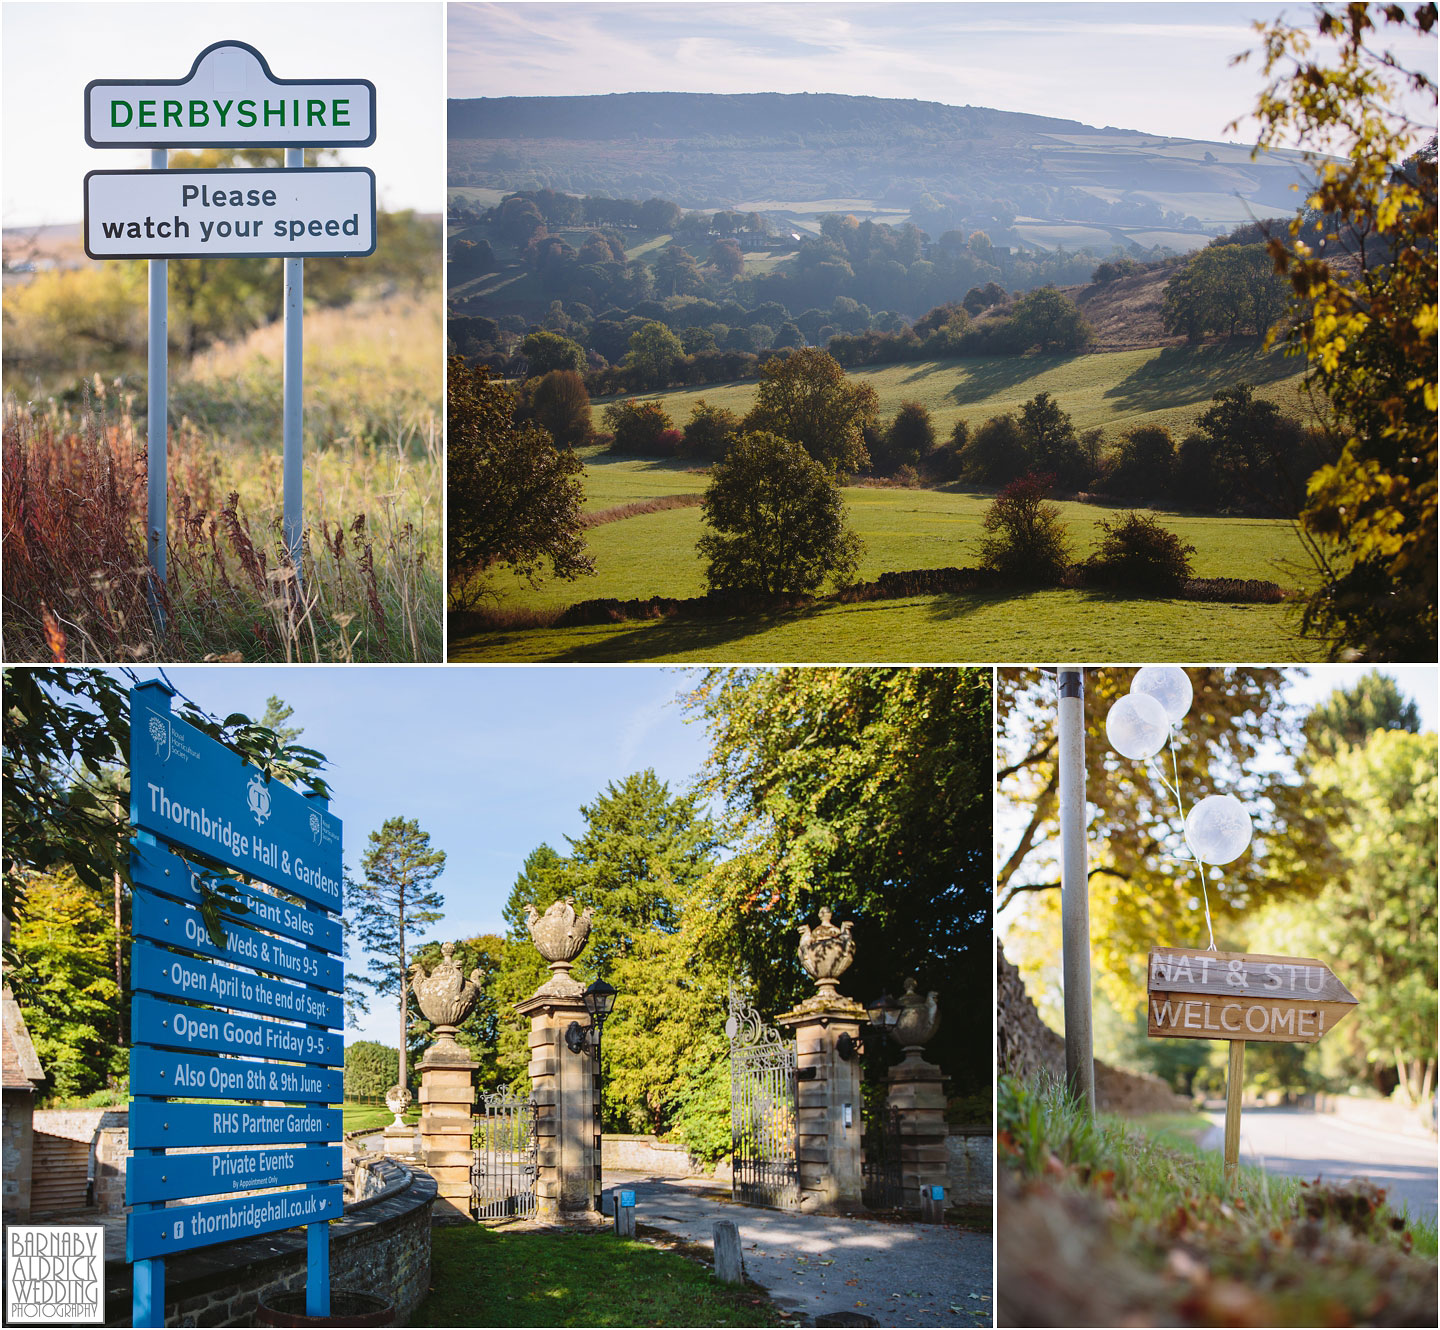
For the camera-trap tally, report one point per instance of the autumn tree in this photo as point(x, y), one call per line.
point(776, 518)
point(868, 791)
point(389, 907)
point(1025, 540)
point(1365, 316)
point(514, 497)
point(1144, 889)
point(805, 397)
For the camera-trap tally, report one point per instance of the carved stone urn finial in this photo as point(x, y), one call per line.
point(826, 952)
point(560, 936)
point(918, 1020)
point(445, 996)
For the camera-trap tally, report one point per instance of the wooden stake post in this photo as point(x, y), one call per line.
point(1242, 998)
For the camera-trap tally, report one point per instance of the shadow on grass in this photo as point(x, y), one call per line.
point(1182, 375)
point(524, 1277)
point(985, 378)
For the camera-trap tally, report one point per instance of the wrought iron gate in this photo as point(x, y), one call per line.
point(502, 1178)
point(764, 1166)
point(880, 1144)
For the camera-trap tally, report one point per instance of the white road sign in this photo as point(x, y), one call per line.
point(229, 99)
point(307, 212)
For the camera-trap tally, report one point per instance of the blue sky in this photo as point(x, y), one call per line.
point(1159, 67)
point(53, 49)
point(492, 761)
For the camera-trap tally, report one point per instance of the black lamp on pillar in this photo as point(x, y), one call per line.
point(599, 1001)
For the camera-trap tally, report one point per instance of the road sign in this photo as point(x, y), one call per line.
point(169, 975)
point(171, 1177)
point(229, 99)
point(161, 920)
point(1242, 998)
point(155, 1126)
point(154, 1071)
point(312, 212)
point(192, 791)
point(1231, 995)
point(152, 1233)
point(204, 1030)
point(155, 867)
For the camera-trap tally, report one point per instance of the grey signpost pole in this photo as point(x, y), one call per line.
point(1075, 888)
point(157, 433)
point(294, 395)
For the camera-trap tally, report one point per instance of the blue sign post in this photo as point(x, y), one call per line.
point(267, 1029)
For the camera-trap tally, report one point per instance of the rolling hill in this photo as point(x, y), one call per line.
point(1026, 179)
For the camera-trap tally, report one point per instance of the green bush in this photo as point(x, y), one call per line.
point(1136, 553)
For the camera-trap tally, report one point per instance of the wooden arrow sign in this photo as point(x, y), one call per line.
point(1231, 995)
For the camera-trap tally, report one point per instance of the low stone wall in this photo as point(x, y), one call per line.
point(78, 1124)
point(645, 1154)
point(380, 1246)
point(970, 1177)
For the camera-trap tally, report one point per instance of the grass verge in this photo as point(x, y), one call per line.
point(372, 1117)
point(528, 1277)
point(1109, 1222)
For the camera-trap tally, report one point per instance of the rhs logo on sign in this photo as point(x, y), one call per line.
point(258, 798)
point(167, 742)
point(321, 832)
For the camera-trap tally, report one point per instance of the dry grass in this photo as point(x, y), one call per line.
point(77, 586)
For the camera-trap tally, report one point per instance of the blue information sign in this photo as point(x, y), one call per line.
point(184, 1126)
point(192, 794)
point(172, 975)
point(190, 790)
point(155, 867)
point(154, 1071)
point(162, 920)
point(171, 1025)
point(171, 1177)
point(178, 1228)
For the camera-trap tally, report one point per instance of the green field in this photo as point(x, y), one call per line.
point(653, 554)
point(1170, 386)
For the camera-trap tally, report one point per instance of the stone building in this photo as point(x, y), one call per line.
point(23, 1077)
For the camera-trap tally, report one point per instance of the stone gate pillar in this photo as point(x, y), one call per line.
point(447, 1083)
point(827, 1029)
point(917, 1094)
point(562, 1082)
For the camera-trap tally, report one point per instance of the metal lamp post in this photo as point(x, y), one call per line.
point(599, 999)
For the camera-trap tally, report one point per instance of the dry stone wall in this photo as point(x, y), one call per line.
point(1027, 1046)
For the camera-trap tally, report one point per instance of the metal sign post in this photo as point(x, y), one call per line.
point(157, 411)
point(294, 393)
point(229, 99)
point(1240, 997)
point(1075, 888)
point(191, 796)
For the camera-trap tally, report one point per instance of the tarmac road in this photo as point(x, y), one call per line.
point(900, 1274)
point(1299, 1143)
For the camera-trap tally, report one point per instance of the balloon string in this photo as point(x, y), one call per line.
point(1199, 863)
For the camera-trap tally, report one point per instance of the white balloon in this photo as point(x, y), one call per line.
point(1137, 726)
point(1218, 829)
point(1169, 685)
